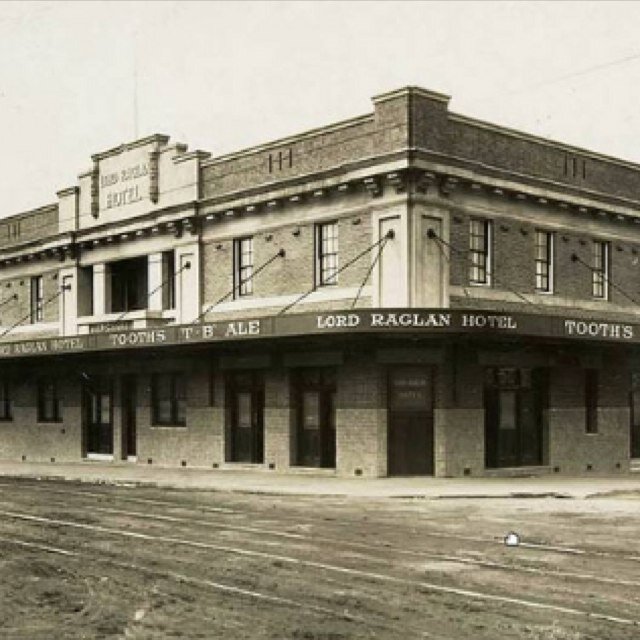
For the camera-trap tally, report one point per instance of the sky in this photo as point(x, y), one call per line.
point(77, 78)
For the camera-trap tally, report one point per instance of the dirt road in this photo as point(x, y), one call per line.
point(84, 561)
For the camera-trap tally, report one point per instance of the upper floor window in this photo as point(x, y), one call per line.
point(480, 251)
point(49, 403)
point(37, 299)
point(169, 399)
point(327, 253)
point(6, 407)
point(544, 261)
point(129, 284)
point(169, 280)
point(600, 268)
point(243, 267)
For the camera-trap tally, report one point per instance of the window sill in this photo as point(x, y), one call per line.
point(45, 422)
point(169, 425)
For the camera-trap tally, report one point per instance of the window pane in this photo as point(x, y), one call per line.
point(327, 258)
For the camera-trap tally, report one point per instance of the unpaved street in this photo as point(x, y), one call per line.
point(95, 561)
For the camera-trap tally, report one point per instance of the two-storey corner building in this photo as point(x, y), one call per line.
point(406, 292)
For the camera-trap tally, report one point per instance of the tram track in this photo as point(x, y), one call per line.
point(217, 586)
point(376, 576)
point(365, 548)
point(496, 541)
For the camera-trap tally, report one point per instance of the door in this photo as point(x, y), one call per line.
point(129, 402)
point(245, 421)
point(98, 415)
point(635, 415)
point(410, 422)
point(514, 410)
point(315, 436)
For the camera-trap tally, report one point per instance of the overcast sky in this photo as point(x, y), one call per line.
point(223, 76)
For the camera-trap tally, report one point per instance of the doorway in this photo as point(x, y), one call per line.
point(245, 417)
point(315, 407)
point(129, 432)
point(410, 422)
point(514, 401)
point(97, 399)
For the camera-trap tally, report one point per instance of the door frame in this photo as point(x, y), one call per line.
point(129, 405)
point(326, 389)
point(422, 415)
point(96, 385)
point(251, 382)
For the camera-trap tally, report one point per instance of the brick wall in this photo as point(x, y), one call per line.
point(570, 448)
point(361, 419)
point(32, 225)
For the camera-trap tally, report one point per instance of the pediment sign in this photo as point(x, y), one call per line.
point(125, 179)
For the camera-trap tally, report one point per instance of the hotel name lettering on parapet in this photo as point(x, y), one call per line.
point(124, 185)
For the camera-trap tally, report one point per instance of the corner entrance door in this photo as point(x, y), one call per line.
point(245, 417)
point(635, 415)
point(129, 401)
point(315, 435)
point(410, 422)
point(98, 415)
point(514, 403)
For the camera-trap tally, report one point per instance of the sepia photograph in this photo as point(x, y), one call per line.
point(319, 320)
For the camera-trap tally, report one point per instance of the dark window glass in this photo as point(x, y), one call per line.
point(129, 283)
point(480, 252)
point(243, 267)
point(600, 269)
point(6, 405)
point(37, 299)
point(591, 400)
point(544, 261)
point(169, 399)
point(327, 254)
point(49, 403)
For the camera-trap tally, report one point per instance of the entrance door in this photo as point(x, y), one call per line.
point(514, 404)
point(98, 415)
point(315, 437)
point(245, 421)
point(410, 422)
point(635, 415)
point(129, 401)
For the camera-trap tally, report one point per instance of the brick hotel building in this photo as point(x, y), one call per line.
point(407, 292)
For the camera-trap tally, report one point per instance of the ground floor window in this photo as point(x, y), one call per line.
point(514, 401)
point(6, 407)
point(169, 399)
point(49, 402)
point(314, 393)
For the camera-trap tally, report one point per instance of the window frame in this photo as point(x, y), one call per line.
point(544, 263)
point(177, 394)
point(43, 403)
point(6, 402)
point(327, 253)
point(601, 269)
point(243, 271)
point(484, 266)
point(36, 305)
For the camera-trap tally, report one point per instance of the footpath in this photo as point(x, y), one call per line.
point(272, 482)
